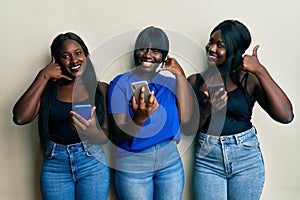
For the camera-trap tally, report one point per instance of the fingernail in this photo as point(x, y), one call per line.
point(143, 89)
point(152, 92)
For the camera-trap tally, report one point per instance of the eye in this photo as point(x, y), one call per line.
point(155, 51)
point(143, 50)
point(65, 56)
point(78, 53)
point(222, 46)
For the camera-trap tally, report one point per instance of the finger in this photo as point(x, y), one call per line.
point(133, 101)
point(206, 93)
point(93, 112)
point(151, 97)
point(142, 96)
point(239, 68)
point(53, 59)
point(66, 77)
point(255, 51)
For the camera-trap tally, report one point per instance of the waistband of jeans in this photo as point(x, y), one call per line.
point(235, 138)
point(157, 147)
point(61, 147)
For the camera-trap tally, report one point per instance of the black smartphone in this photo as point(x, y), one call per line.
point(83, 110)
point(136, 89)
point(213, 88)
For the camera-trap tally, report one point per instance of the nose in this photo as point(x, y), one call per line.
point(73, 59)
point(148, 52)
point(213, 47)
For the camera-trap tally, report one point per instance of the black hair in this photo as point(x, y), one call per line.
point(89, 79)
point(152, 37)
point(237, 39)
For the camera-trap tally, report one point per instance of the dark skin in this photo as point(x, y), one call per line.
point(149, 61)
point(72, 59)
point(260, 84)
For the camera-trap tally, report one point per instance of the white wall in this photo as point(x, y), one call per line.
point(28, 27)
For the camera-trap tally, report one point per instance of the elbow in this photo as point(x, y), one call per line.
point(19, 121)
point(288, 119)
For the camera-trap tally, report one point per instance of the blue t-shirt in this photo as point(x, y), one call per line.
point(162, 125)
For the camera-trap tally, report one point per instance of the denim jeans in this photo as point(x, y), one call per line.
point(228, 167)
point(155, 173)
point(76, 171)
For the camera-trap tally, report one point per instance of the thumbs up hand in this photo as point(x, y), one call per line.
point(251, 62)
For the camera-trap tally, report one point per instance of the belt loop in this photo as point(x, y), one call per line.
point(237, 141)
point(53, 149)
point(207, 139)
point(84, 145)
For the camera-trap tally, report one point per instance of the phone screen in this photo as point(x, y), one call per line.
point(83, 110)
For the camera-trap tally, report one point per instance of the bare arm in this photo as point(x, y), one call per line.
point(184, 91)
point(27, 107)
point(269, 95)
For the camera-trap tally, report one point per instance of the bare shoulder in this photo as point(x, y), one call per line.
point(252, 82)
point(103, 86)
point(192, 79)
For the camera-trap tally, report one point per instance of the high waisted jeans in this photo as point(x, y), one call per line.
point(155, 173)
point(76, 171)
point(228, 167)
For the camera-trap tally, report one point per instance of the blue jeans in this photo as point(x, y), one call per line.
point(228, 167)
point(76, 171)
point(154, 173)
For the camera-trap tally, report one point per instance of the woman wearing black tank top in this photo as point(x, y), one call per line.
point(74, 164)
point(229, 163)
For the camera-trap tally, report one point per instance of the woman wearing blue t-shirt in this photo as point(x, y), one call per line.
point(146, 130)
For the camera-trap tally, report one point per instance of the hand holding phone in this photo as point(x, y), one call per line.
point(136, 89)
point(83, 110)
point(212, 89)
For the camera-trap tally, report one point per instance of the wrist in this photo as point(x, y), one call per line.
point(138, 122)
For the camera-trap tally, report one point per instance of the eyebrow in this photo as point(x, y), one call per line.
point(74, 50)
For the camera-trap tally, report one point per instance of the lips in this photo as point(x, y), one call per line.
point(75, 68)
point(212, 57)
point(147, 62)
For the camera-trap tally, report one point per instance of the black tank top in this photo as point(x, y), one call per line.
point(235, 118)
point(59, 123)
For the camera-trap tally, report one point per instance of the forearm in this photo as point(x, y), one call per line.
point(185, 98)
point(276, 102)
point(27, 106)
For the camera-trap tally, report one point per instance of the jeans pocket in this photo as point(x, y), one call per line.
point(93, 150)
point(250, 143)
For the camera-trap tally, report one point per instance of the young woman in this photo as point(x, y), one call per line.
point(229, 163)
point(74, 165)
point(146, 129)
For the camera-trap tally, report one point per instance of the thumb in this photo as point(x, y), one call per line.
point(93, 111)
point(255, 51)
point(53, 59)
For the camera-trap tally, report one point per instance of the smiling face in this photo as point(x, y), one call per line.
point(148, 59)
point(216, 50)
point(72, 58)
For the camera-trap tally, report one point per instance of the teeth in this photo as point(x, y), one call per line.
point(75, 67)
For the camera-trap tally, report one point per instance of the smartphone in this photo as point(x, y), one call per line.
point(213, 88)
point(83, 110)
point(136, 89)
